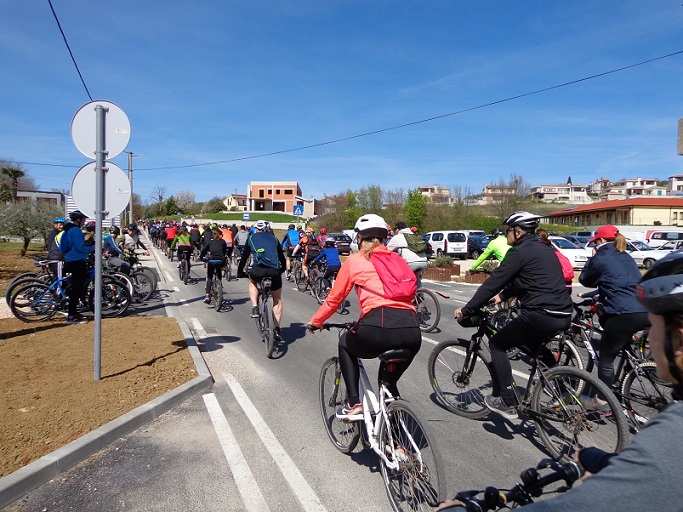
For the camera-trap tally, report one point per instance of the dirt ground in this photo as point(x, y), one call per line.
point(48, 395)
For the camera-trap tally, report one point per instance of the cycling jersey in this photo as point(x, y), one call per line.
point(331, 256)
point(498, 247)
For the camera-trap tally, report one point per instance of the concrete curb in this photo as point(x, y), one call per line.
point(17, 484)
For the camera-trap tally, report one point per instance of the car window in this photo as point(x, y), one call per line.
point(437, 237)
point(641, 246)
point(563, 243)
point(341, 238)
point(456, 237)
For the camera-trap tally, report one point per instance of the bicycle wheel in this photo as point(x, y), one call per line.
point(565, 352)
point(115, 297)
point(428, 309)
point(33, 302)
point(185, 265)
point(23, 281)
point(17, 279)
point(641, 345)
point(267, 327)
point(143, 288)
point(452, 375)
point(568, 421)
point(217, 291)
point(343, 434)
point(227, 271)
point(300, 279)
point(645, 394)
point(418, 483)
point(151, 275)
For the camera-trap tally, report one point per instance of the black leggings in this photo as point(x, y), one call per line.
point(617, 333)
point(530, 328)
point(210, 269)
point(368, 342)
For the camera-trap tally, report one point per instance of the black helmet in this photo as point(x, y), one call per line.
point(132, 227)
point(330, 242)
point(524, 220)
point(291, 226)
point(77, 214)
point(114, 230)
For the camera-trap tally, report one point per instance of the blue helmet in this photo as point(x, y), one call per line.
point(59, 219)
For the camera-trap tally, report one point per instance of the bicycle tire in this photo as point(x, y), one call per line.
point(217, 291)
point(332, 393)
point(566, 353)
point(565, 424)
point(300, 279)
point(228, 270)
point(143, 286)
point(18, 283)
point(151, 275)
point(419, 482)
point(428, 309)
point(34, 302)
point(452, 375)
point(267, 326)
point(125, 280)
point(13, 283)
point(185, 265)
point(116, 298)
point(644, 394)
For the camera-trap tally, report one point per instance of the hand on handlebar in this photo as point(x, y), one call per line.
point(312, 328)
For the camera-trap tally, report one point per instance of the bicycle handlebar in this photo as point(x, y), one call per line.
point(522, 493)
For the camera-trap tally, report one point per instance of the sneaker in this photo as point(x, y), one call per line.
point(288, 275)
point(276, 334)
point(350, 412)
point(207, 299)
point(592, 403)
point(178, 265)
point(497, 404)
point(71, 320)
point(254, 312)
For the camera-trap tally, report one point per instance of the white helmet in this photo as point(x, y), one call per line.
point(525, 220)
point(260, 225)
point(371, 226)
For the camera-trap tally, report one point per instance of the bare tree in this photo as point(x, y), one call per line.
point(185, 201)
point(159, 196)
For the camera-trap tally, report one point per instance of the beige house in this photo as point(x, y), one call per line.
point(236, 203)
point(565, 193)
point(436, 194)
point(496, 193)
point(634, 211)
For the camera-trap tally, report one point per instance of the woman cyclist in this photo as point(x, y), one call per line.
point(332, 262)
point(217, 250)
point(384, 324)
point(646, 475)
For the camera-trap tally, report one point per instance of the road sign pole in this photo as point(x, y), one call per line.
point(100, 155)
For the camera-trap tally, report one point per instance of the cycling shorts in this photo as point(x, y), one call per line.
point(257, 273)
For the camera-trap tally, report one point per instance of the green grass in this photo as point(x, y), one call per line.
point(253, 217)
point(18, 245)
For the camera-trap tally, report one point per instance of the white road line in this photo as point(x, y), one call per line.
point(246, 483)
point(197, 328)
point(168, 276)
point(307, 497)
point(521, 375)
point(176, 289)
point(183, 302)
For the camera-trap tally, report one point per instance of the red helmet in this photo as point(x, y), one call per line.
point(323, 231)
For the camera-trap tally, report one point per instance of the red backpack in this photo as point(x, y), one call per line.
point(397, 278)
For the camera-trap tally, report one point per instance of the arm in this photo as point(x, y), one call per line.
point(483, 256)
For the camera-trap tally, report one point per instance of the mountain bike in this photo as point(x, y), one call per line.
point(410, 463)
point(266, 319)
point(216, 292)
point(559, 400)
point(522, 493)
point(321, 289)
point(641, 392)
point(184, 266)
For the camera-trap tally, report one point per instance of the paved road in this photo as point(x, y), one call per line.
point(255, 440)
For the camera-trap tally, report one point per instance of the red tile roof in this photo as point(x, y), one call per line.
point(651, 202)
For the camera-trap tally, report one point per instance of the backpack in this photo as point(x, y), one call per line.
point(398, 280)
point(264, 249)
point(415, 243)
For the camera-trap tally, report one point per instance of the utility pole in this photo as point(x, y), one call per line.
point(129, 210)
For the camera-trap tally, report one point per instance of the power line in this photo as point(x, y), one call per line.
point(69, 48)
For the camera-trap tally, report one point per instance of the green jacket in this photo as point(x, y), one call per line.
point(498, 247)
point(181, 239)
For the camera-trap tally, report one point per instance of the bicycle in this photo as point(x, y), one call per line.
point(555, 399)
point(216, 292)
point(298, 273)
point(410, 464)
point(184, 266)
point(321, 290)
point(641, 392)
point(227, 269)
point(266, 319)
point(524, 492)
point(428, 309)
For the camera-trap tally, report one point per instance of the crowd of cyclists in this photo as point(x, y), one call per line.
point(530, 271)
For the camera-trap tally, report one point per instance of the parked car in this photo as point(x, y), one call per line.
point(671, 245)
point(578, 256)
point(448, 243)
point(342, 242)
point(644, 255)
point(582, 233)
point(656, 238)
point(580, 241)
point(476, 245)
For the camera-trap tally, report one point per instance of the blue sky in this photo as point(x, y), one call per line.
point(224, 81)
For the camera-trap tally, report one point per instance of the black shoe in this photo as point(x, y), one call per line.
point(497, 404)
point(254, 312)
point(276, 334)
point(78, 319)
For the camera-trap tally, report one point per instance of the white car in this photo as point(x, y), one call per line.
point(575, 254)
point(644, 255)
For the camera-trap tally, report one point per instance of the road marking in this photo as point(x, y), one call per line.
point(197, 328)
point(521, 375)
point(246, 483)
point(183, 302)
point(168, 276)
point(307, 497)
point(176, 289)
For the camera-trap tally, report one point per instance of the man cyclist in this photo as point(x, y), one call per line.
point(217, 251)
point(269, 261)
point(241, 239)
point(72, 244)
point(289, 242)
point(332, 262)
point(531, 272)
point(417, 261)
point(311, 248)
point(498, 247)
point(646, 474)
point(171, 232)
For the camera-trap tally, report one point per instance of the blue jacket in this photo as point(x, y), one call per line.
point(616, 275)
point(109, 244)
point(331, 255)
point(73, 245)
point(291, 239)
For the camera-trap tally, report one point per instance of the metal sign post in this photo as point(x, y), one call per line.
point(100, 170)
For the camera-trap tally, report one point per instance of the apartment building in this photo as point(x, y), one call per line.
point(436, 194)
point(566, 193)
point(278, 196)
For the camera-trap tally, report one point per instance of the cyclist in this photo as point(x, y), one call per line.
point(417, 261)
point(171, 232)
point(332, 262)
point(52, 245)
point(567, 268)
point(113, 252)
point(310, 247)
point(132, 240)
point(241, 239)
point(196, 237)
point(614, 272)
point(322, 237)
point(184, 245)
point(217, 251)
point(72, 245)
point(646, 474)
point(531, 272)
point(269, 261)
point(498, 247)
point(289, 242)
point(384, 324)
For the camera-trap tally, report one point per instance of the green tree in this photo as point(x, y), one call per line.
point(415, 208)
point(170, 206)
point(13, 173)
point(214, 205)
point(353, 209)
point(28, 220)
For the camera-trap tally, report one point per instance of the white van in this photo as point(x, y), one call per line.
point(448, 243)
point(656, 238)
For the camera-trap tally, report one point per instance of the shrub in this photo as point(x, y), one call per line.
point(441, 261)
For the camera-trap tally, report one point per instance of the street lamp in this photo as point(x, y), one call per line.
point(129, 210)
